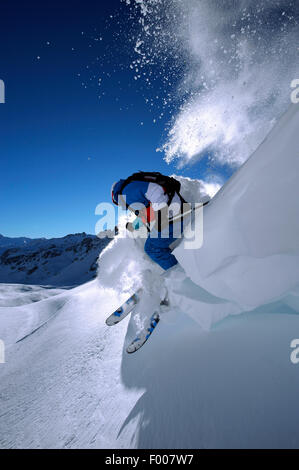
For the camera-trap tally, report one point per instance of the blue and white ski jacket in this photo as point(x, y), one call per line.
point(144, 193)
point(151, 196)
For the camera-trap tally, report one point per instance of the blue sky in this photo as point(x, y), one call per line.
point(61, 146)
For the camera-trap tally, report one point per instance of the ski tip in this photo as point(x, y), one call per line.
point(141, 340)
point(110, 322)
point(133, 347)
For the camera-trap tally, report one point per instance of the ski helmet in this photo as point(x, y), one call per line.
point(115, 191)
point(112, 193)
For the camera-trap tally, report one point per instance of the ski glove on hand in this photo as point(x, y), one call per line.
point(135, 225)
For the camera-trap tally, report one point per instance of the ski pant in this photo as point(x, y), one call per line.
point(157, 247)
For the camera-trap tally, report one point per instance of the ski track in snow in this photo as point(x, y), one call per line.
point(56, 391)
point(71, 384)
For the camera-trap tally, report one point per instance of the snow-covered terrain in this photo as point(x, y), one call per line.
point(205, 378)
point(66, 261)
point(250, 254)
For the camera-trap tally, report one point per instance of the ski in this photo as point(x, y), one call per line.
point(139, 341)
point(124, 309)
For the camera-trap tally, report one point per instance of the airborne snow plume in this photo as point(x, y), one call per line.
point(235, 61)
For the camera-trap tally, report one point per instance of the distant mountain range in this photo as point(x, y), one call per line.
point(19, 241)
point(66, 261)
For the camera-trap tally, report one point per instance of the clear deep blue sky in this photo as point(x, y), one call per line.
point(61, 146)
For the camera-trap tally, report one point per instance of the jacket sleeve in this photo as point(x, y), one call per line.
point(135, 194)
point(155, 194)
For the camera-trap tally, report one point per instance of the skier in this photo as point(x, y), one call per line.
point(158, 204)
point(155, 199)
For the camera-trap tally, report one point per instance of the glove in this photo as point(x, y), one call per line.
point(130, 227)
point(135, 225)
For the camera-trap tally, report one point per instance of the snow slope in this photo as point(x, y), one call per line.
point(250, 254)
point(61, 385)
point(68, 383)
